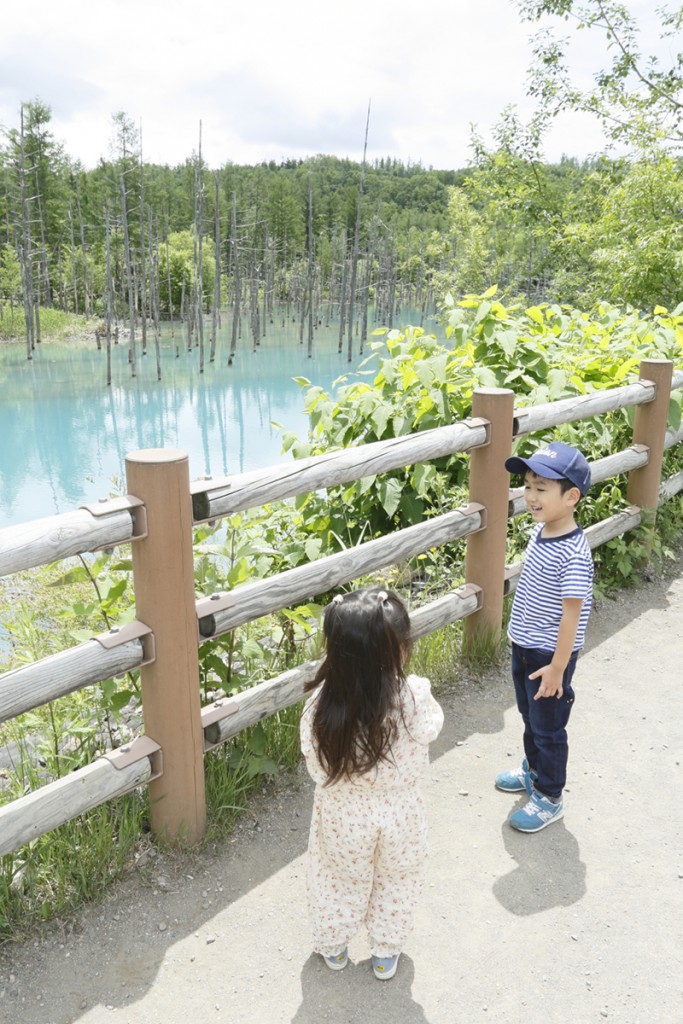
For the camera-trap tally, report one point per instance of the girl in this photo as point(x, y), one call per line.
point(365, 733)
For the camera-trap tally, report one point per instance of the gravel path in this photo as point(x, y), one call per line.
point(580, 923)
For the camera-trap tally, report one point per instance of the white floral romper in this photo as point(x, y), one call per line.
point(368, 838)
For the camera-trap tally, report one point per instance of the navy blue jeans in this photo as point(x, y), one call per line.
point(545, 720)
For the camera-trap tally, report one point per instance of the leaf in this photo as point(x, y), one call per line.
point(423, 476)
point(257, 740)
point(557, 383)
point(390, 495)
point(412, 509)
point(120, 699)
point(251, 649)
point(508, 342)
point(313, 547)
point(482, 313)
point(379, 419)
point(77, 575)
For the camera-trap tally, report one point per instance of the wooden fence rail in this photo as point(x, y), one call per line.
point(157, 517)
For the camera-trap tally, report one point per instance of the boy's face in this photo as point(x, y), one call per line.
point(546, 502)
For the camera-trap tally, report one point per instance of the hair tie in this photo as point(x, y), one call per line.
point(337, 599)
point(382, 596)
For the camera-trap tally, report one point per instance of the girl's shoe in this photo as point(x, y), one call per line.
point(384, 967)
point(337, 962)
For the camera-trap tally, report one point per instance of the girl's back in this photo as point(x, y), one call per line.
point(418, 721)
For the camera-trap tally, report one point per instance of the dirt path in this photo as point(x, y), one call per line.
point(581, 923)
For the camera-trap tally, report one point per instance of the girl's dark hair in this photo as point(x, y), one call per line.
point(367, 645)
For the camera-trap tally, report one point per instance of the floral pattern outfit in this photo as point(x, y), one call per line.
point(368, 837)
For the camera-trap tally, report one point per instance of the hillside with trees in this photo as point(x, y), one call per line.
point(328, 239)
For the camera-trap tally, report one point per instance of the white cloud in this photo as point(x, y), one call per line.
point(270, 80)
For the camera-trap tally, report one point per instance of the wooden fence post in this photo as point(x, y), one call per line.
point(163, 572)
point(490, 486)
point(649, 429)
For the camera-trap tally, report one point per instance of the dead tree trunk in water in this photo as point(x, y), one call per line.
point(25, 248)
point(153, 251)
point(129, 277)
point(356, 243)
point(199, 263)
point(168, 281)
point(236, 279)
point(216, 306)
point(44, 268)
point(87, 301)
point(108, 293)
point(143, 261)
point(309, 274)
point(342, 292)
point(74, 269)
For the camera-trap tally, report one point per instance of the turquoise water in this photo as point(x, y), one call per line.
point(64, 434)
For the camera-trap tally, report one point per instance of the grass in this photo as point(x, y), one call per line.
point(54, 323)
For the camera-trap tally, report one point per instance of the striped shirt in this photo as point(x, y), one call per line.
point(554, 568)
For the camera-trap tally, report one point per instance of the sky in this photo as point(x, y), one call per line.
point(280, 79)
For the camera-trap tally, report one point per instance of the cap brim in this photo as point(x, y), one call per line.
point(517, 465)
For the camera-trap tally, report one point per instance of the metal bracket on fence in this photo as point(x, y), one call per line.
point(220, 709)
point(130, 753)
point(518, 417)
point(469, 510)
point(473, 422)
point(648, 384)
point(511, 573)
point(472, 590)
point(118, 635)
point(514, 495)
point(215, 713)
point(207, 608)
point(136, 507)
point(639, 449)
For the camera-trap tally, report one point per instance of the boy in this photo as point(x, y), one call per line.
point(550, 610)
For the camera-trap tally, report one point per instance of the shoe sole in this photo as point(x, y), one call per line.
point(555, 817)
point(510, 789)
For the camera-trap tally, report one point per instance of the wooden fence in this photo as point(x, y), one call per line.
point(157, 517)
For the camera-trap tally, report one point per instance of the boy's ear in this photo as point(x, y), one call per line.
point(574, 495)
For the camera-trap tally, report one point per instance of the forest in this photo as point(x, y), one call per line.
point(324, 239)
point(327, 239)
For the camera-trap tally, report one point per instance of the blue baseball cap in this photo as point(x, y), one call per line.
point(557, 461)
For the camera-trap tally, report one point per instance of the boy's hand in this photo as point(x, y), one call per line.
point(551, 681)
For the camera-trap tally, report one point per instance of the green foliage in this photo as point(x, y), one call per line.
point(543, 352)
point(631, 251)
point(177, 262)
point(636, 95)
point(54, 322)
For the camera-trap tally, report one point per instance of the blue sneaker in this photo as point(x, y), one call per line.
point(384, 967)
point(516, 780)
point(337, 962)
point(539, 812)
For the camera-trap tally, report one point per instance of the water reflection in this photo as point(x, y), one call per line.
point(65, 434)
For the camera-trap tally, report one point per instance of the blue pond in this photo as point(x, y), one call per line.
point(65, 434)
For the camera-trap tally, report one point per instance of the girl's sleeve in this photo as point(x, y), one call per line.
point(426, 719)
